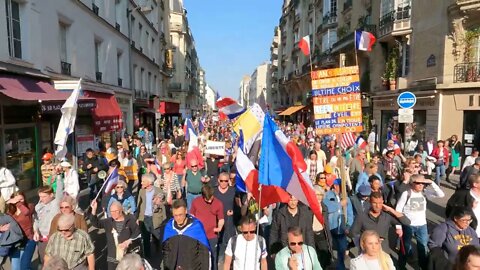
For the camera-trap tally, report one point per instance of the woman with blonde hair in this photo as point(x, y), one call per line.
point(372, 257)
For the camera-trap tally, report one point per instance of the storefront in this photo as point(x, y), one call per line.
point(170, 116)
point(425, 122)
point(460, 115)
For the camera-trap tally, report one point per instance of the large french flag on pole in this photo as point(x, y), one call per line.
point(186, 127)
point(229, 107)
point(193, 152)
point(282, 165)
point(364, 40)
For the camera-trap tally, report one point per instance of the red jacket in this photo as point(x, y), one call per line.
point(446, 154)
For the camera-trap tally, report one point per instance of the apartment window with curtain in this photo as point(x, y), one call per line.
point(62, 36)
point(13, 28)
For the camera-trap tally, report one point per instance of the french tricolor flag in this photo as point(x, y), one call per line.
point(364, 40)
point(186, 126)
point(229, 107)
point(112, 181)
point(282, 165)
point(193, 152)
point(361, 143)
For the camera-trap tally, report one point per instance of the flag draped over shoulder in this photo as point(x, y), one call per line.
point(67, 122)
point(282, 165)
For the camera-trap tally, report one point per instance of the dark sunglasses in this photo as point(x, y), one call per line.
point(295, 244)
point(223, 181)
point(65, 207)
point(194, 166)
point(322, 178)
point(67, 230)
point(248, 232)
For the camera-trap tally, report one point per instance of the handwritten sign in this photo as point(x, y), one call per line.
point(215, 148)
point(337, 103)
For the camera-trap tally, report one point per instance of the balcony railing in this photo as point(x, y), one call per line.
point(98, 76)
point(395, 20)
point(95, 8)
point(466, 72)
point(120, 81)
point(66, 68)
point(330, 18)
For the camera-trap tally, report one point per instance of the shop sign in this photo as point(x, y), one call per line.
point(405, 118)
point(54, 108)
point(406, 100)
point(337, 102)
point(107, 125)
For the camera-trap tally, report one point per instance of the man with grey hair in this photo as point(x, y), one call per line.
point(56, 263)
point(151, 211)
point(121, 231)
point(72, 245)
point(131, 262)
point(413, 204)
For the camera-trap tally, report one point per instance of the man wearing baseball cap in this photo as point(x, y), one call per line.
point(47, 168)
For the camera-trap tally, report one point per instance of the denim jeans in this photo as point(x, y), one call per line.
point(340, 241)
point(213, 246)
point(21, 259)
point(440, 172)
point(190, 198)
point(421, 234)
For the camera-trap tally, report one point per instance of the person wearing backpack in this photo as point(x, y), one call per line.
point(413, 204)
point(246, 250)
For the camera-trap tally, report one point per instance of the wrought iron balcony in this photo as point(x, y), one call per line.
point(466, 72)
point(66, 68)
point(330, 18)
point(395, 20)
point(98, 76)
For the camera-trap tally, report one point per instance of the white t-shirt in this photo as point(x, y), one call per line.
point(476, 211)
point(245, 253)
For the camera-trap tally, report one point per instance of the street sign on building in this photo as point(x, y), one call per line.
point(406, 100)
point(405, 116)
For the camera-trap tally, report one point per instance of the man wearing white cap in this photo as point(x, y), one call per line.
point(70, 179)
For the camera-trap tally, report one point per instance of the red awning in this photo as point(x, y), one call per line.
point(107, 115)
point(29, 88)
point(169, 107)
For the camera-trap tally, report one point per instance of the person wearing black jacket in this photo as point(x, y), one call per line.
point(122, 232)
point(468, 198)
point(289, 216)
point(91, 166)
point(321, 232)
point(379, 218)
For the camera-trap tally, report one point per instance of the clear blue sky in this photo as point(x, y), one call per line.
point(232, 37)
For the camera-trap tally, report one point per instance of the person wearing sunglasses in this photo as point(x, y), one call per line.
point(72, 245)
point(226, 195)
point(247, 250)
point(297, 255)
point(192, 181)
point(124, 197)
point(68, 205)
point(413, 204)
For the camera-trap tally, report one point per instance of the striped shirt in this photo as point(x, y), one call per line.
point(74, 251)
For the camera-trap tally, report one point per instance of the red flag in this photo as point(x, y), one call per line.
point(304, 45)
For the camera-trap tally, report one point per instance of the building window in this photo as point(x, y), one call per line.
point(147, 44)
point(386, 6)
point(119, 64)
point(98, 48)
point(328, 39)
point(405, 59)
point(142, 75)
point(330, 8)
point(149, 82)
point(13, 29)
point(62, 36)
point(140, 35)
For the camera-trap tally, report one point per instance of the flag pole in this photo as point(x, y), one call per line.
point(258, 222)
point(355, 41)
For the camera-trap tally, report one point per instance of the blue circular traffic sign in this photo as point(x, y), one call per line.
point(406, 100)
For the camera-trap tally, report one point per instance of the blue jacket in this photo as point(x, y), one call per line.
point(335, 213)
point(363, 180)
point(128, 203)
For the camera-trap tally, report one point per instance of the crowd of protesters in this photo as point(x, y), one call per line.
point(187, 210)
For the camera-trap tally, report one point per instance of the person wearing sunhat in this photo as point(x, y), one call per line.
point(47, 168)
point(70, 179)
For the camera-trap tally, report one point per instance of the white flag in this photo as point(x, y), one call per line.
point(67, 122)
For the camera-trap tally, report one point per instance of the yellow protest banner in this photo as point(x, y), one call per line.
point(131, 172)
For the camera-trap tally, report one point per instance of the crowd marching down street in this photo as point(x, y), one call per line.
point(242, 190)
